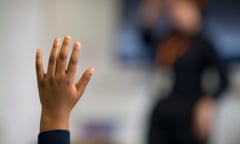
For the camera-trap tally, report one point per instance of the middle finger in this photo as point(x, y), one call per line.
point(62, 57)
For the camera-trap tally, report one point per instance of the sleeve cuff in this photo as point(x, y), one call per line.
point(54, 137)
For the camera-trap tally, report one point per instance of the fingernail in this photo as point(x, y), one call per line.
point(91, 72)
point(39, 51)
point(77, 44)
point(67, 37)
point(56, 42)
point(57, 39)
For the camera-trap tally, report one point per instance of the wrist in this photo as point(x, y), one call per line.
point(54, 121)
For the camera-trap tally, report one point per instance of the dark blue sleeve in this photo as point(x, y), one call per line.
point(54, 137)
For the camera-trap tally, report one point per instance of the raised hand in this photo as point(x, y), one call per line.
point(58, 91)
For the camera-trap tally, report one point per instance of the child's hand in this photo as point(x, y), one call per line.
point(57, 90)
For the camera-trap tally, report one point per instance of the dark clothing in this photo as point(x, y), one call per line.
point(189, 69)
point(171, 118)
point(171, 122)
point(54, 137)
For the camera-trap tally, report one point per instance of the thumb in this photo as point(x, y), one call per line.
point(83, 81)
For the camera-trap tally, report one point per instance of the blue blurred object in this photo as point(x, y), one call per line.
point(99, 128)
point(222, 27)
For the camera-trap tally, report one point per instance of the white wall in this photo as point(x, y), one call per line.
point(20, 29)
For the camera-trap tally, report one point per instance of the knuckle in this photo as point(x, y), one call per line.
point(41, 83)
point(67, 81)
point(51, 81)
point(52, 59)
point(59, 80)
point(55, 45)
point(89, 77)
point(62, 56)
point(74, 60)
point(38, 65)
point(63, 80)
point(86, 79)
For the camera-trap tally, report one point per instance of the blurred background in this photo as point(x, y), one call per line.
point(116, 105)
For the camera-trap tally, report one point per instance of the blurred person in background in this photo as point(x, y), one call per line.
point(186, 115)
